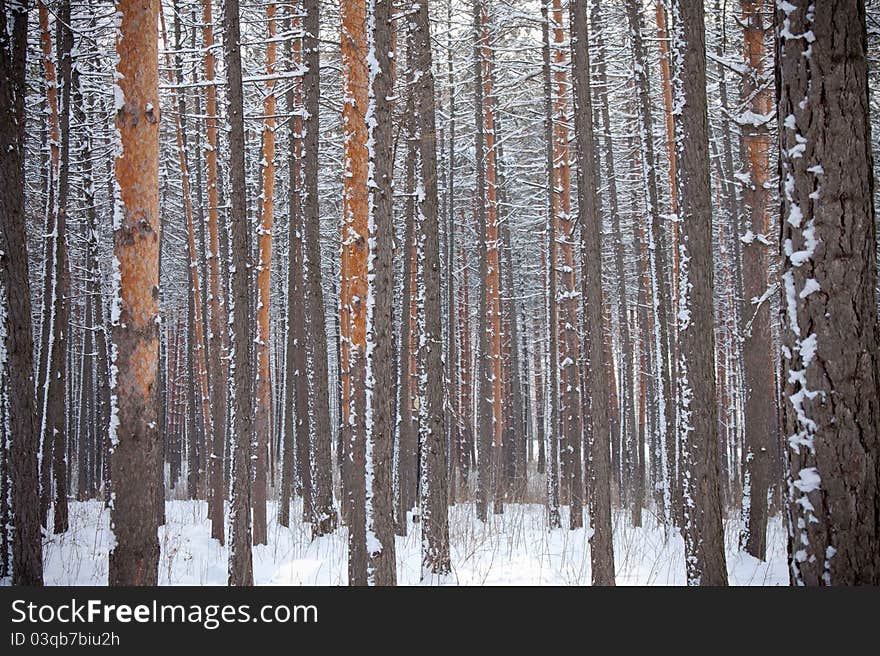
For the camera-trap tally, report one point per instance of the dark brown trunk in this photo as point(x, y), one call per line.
point(433, 515)
point(831, 346)
point(134, 430)
point(27, 563)
point(324, 516)
point(601, 547)
point(697, 425)
point(241, 570)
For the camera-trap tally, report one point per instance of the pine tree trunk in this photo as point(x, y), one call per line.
point(353, 278)
point(263, 417)
point(382, 567)
point(569, 369)
point(553, 437)
point(601, 547)
point(624, 411)
point(493, 267)
point(433, 515)
point(297, 423)
point(324, 518)
point(831, 346)
point(216, 297)
point(27, 563)
point(48, 310)
point(698, 422)
point(484, 375)
point(406, 429)
point(658, 267)
point(134, 431)
point(240, 562)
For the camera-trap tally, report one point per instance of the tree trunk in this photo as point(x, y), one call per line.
point(433, 514)
point(831, 364)
point(572, 427)
point(353, 278)
point(658, 268)
point(324, 518)
point(216, 297)
point(241, 570)
point(382, 567)
point(27, 563)
point(263, 417)
point(760, 413)
point(484, 380)
point(697, 425)
point(553, 437)
point(493, 265)
point(601, 547)
point(134, 430)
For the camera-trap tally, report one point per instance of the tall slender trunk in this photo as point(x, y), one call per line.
point(50, 256)
point(433, 515)
point(379, 509)
point(406, 428)
point(263, 417)
point(697, 424)
point(241, 570)
point(296, 368)
point(658, 267)
point(27, 562)
point(353, 279)
point(552, 318)
point(485, 388)
point(216, 297)
point(565, 236)
point(324, 517)
point(493, 264)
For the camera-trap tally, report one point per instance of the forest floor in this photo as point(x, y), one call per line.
point(510, 549)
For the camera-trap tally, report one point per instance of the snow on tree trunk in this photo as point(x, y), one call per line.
point(601, 547)
point(379, 508)
point(241, 570)
point(697, 424)
point(432, 439)
point(17, 346)
point(831, 365)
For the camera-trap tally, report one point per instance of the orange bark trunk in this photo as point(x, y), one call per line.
point(666, 83)
point(216, 304)
point(51, 89)
point(135, 439)
point(263, 424)
point(567, 286)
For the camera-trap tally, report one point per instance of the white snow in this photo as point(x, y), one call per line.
point(511, 549)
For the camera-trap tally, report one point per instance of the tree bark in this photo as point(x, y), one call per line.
point(697, 425)
point(830, 342)
point(134, 431)
point(27, 563)
point(760, 413)
point(241, 570)
point(324, 518)
point(601, 547)
point(433, 515)
point(382, 566)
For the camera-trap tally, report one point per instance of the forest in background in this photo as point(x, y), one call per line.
point(355, 262)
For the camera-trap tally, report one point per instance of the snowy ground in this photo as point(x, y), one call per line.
point(511, 549)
